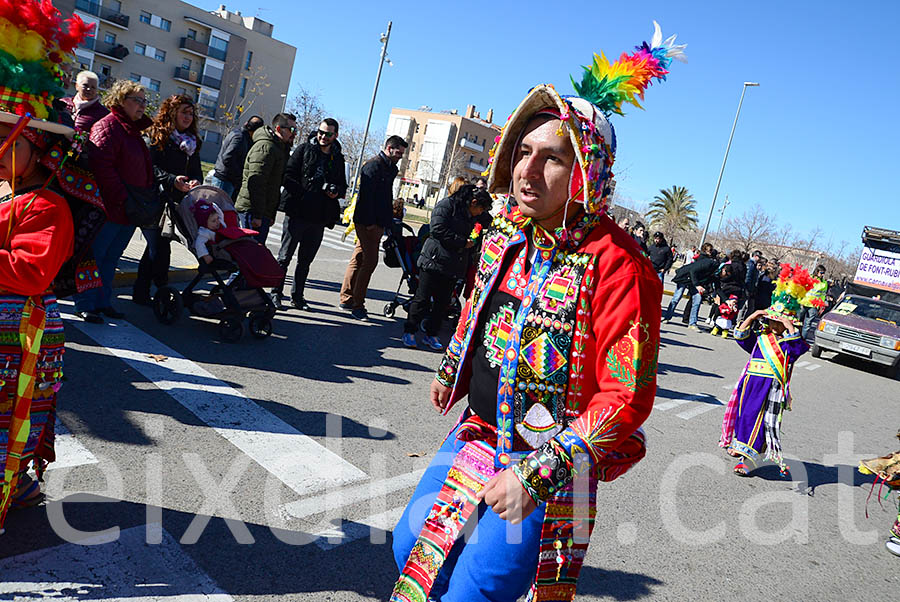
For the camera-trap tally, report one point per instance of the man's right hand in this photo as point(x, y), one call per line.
point(440, 395)
point(256, 222)
point(701, 290)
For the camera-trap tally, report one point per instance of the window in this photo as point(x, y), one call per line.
point(154, 85)
point(135, 77)
point(115, 5)
point(211, 137)
point(249, 59)
point(186, 64)
point(243, 89)
point(165, 25)
point(160, 55)
point(140, 48)
point(417, 128)
point(181, 91)
point(218, 47)
point(109, 38)
point(145, 17)
point(192, 34)
point(104, 70)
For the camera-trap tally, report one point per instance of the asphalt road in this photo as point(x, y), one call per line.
point(274, 469)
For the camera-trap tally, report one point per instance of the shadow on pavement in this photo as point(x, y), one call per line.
point(315, 424)
point(617, 585)
point(817, 475)
point(667, 368)
point(665, 341)
point(669, 394)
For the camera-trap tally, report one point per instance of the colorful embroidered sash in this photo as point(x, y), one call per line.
point(472, 468)
point(774, 357)
point(31, 331)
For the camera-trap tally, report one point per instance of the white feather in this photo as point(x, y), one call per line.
point(657, 35)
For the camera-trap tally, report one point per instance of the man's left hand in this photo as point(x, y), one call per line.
point(506, 496)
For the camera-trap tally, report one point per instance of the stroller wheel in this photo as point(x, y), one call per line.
point(231, 330)
point(260, 325)
point(388, 310)
point(167, 305)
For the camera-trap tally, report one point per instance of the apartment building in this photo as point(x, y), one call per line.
point(442, 145)
point(230, 64)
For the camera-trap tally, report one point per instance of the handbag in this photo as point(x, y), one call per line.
point(143, 205)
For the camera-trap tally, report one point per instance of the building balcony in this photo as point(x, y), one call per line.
point(107, 15)
point(471, 165)
point(211, 82)
point(201, 49)
point(469, 145)
point(187, 76)
point(116, 52)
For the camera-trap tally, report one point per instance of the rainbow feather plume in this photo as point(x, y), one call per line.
point(608, 85)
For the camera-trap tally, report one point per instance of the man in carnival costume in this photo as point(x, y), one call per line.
point(43, 251)
point(556, 349)
point(751, 429)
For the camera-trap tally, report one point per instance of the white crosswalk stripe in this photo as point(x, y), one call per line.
point(69, 451)
point(702, 403)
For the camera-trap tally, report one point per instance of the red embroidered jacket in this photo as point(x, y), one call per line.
point(601, 298)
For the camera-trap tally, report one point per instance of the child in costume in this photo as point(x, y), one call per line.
point(887, 470)
point(37, 237)
point(752, 426)
point(725, 319)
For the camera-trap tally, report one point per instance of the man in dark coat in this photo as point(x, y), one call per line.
point(443, 261)
point(314, 180)
point(229, 169)
point(260, 194)
point(660, 255)
point(374, 212)
point(693, 278)
point(85, 107)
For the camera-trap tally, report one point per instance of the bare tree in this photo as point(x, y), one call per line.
point(228, 114)
point(307, 107)
point(750, 229)
point(351, 137)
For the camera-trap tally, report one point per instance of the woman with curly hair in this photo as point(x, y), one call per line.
point(121, 164)
point(175, 152)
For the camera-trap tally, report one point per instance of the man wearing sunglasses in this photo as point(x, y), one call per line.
point(257, 202)
point(314, 180)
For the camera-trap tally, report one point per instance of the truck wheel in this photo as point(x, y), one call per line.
point(816, 351)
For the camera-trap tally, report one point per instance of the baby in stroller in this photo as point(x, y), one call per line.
point(208, 221)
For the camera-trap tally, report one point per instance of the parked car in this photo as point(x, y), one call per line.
point(862, 327)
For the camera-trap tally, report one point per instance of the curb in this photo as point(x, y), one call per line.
point(176, 274)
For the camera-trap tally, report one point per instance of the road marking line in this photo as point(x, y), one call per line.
point(124, 570)
point(354, 495)
point(801, 364)
point(298, 461)
point(354, 530)
point(69, 451)
point(668, 405)
point(814, 367)
point(697, 411)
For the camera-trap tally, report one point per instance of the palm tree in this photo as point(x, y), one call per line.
point(673, 211)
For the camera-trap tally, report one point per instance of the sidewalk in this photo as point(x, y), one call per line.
point(184, 264)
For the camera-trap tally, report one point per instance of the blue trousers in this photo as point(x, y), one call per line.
point(495, 561)
point(676, 297)
point(108, 247)
point(225, 185)
point(246, 218)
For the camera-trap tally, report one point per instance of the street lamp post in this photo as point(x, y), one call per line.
point(722, 216)
point(283, 102)
point(385, 38)
point(712, 205)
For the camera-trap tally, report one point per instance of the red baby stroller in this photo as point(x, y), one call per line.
point(246, 264)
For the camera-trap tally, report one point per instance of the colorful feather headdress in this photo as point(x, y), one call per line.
point(603, 89)
point(793, 284)
point(33, 49)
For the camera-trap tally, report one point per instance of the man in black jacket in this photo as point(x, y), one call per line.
point(314, 180)
point(693, 278)
point(660, 255)
point(374, 212)
point(443, 261)
point(229, 168)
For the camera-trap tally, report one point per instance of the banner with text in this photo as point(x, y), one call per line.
point(879, 269)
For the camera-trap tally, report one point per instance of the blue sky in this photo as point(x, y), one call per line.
point(816, 144)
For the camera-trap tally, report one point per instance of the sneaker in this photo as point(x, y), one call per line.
point(433, 342)
point(348, 306)
point(142, 299)
point(893, 546)
point(300, 304)
point(111, 312)
point(714, 331)
point(276, 301)
point(360, 313)
point(693, 327)
point(409, 340)
point(724, 334)
point(90, 316)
